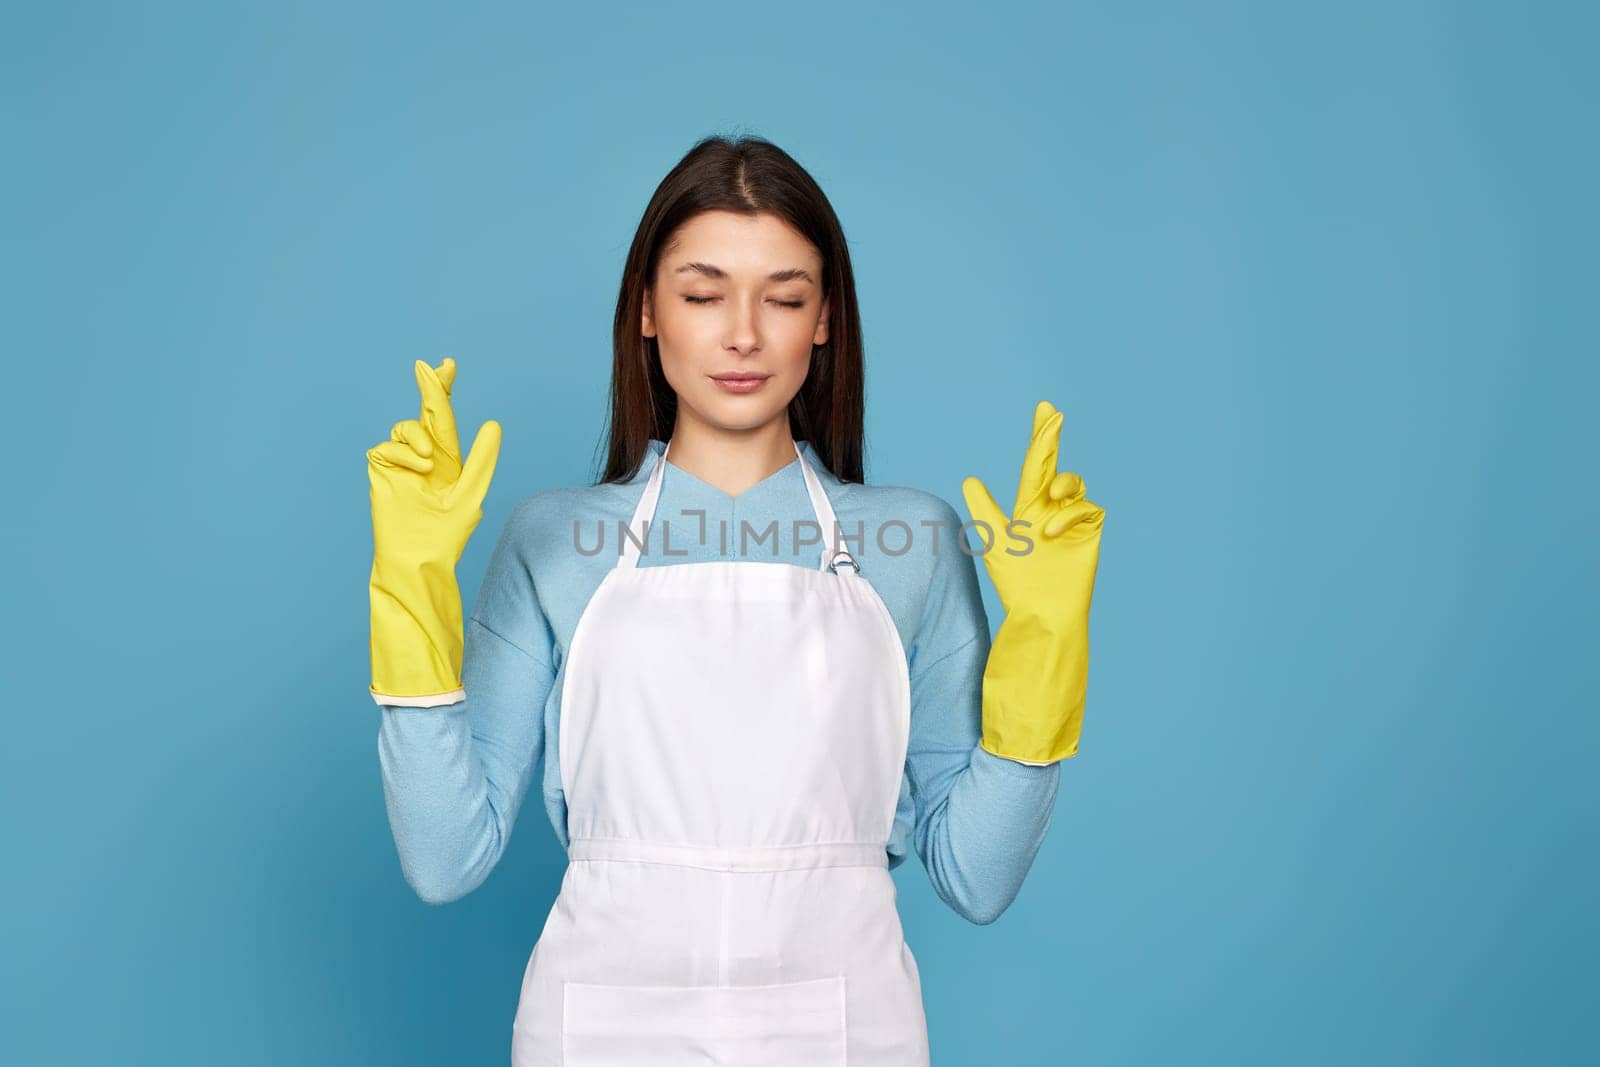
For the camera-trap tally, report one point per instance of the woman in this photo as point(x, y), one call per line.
point(751, 680)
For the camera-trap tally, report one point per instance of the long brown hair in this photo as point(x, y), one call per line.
point(748, 176)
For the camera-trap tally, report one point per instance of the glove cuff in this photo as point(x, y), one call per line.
point(1034, 687)
point(995, 749)
point(416, 639)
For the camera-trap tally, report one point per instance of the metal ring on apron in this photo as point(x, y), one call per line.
point(842, 556)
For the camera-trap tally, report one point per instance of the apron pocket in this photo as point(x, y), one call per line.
point(792, 1024)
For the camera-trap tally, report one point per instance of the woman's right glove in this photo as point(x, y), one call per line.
point(1038, 669)
point(425, 505)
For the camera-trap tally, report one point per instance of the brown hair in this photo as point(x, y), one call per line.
point(749, 176)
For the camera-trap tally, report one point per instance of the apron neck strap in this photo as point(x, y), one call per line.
point(644, 512)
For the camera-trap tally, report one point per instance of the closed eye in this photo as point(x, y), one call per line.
point(710, 299)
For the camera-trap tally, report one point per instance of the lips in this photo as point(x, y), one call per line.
point(740, 382)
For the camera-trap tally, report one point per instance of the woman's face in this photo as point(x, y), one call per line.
point(736, 296)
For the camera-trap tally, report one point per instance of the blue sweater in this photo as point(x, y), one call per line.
point(455, 776)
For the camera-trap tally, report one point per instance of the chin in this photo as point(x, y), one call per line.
point(740, 413)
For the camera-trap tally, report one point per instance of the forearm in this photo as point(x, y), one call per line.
point(454, 775)
point(979, 842)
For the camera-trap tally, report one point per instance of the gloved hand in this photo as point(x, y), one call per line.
point(425, 505)
point(1038, 667)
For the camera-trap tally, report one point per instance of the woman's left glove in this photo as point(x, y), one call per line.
point(1042, 561)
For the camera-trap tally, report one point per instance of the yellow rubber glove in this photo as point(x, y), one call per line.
point(1038, 667)
point(425, 505)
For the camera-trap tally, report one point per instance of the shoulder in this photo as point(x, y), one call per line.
point(924, 524)
point(902, 498)
point(544, 519)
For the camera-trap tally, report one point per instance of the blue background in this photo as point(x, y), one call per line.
point(1315, 287)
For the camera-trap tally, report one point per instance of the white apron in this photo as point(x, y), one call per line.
point(733, 735)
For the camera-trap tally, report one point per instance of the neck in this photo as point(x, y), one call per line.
point(731, 459)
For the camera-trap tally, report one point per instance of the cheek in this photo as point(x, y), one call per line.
point(789, 333)
point(795, 358)
point(797, 342)
point(683, 339)
point(676, 323)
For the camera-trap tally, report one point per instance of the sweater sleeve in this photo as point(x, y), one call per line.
point(980, 818)
point(455, 776)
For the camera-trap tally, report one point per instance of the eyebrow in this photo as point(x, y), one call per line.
point(789, 274)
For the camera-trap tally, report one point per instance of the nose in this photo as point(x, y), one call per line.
point(744, 334)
